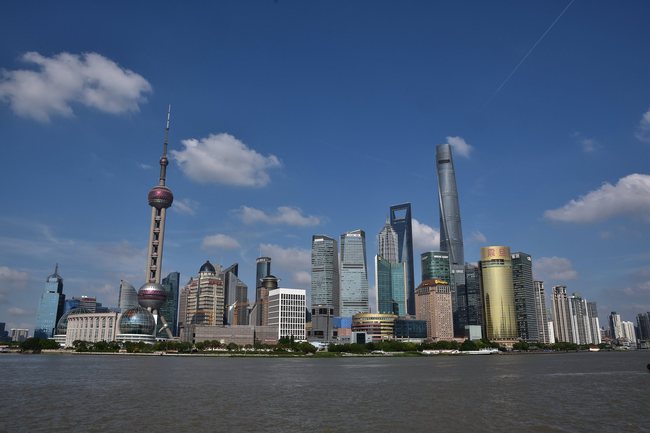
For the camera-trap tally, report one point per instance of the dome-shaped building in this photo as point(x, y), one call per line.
point(207, 268)
point(136, 324)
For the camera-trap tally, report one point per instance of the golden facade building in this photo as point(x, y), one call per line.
point(378, 326)
point(433, 304)
point(498, 294)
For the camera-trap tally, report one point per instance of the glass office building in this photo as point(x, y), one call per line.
point(354, 274)
point(325, 273)
point(50, 308)
point(400, 221)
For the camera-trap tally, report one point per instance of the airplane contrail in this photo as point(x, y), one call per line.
point(523, 59)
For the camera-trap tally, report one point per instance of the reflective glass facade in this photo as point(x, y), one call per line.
point(474, 301)
point(325, 290)
point(391, 287)
point(50, 308)
point(400, 221)
point(128, 296)
point(137, 321)
point(169, 308)
point(451, 233)
point(522, 281)
point(354, 274)
point(435, 265)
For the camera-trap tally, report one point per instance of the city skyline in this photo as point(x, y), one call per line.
point(284, 114)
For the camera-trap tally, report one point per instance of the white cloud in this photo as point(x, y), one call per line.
point(461, 147)
point(292, 261)
point(554, 268)
point(303, 278)
point(291, 216)
point(629, 197)
point(589, 145)
point(145, 166)
point(15, 311)
point(57, 82)
point(185, 206)
point(643, 130)
point(425, 238)
point(220, 241)
point(8, 274)
point(479, 237)
point(223, 159)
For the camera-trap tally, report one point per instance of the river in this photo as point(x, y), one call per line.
point(569, 392)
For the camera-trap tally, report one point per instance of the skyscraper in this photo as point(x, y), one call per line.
point(522, 281)
point(235, 297)
point(451, 234)
point(435, 265)
point(387, 241)
point(594, 323)
point(263, 270)
point(541, 313)
point(433, 304)
point(325, 273)
point(202, 299)
point(400, 221)
point(392, 292)
point(50, 308)
point(390, 274)
point(474, 297)
point(615, 326)
point(354, 274)
point(643, 323)
point(580, 323)
point(169, 309)
point(498, 294)
point(561, 315)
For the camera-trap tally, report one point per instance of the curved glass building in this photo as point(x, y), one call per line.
point(451, 233)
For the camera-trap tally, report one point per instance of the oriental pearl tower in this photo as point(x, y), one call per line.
point(152, 295)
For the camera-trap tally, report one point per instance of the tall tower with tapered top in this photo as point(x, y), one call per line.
point(140, 323)
point(152, 295)
point(160, 198)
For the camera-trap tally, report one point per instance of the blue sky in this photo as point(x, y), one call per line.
point(295, 118)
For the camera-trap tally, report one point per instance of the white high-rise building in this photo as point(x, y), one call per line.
point(579, 320)
point(287, 312)
point(561, 315)
point(628, 331)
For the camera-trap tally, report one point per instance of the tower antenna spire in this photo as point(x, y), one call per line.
point(163, 159)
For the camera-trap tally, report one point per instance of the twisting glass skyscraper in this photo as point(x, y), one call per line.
point(354, 274)
point(400, 221)
point(451, 234)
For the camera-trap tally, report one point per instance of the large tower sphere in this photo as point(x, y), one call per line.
point(137, 321)
point(160, 197)
point(151, 295)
